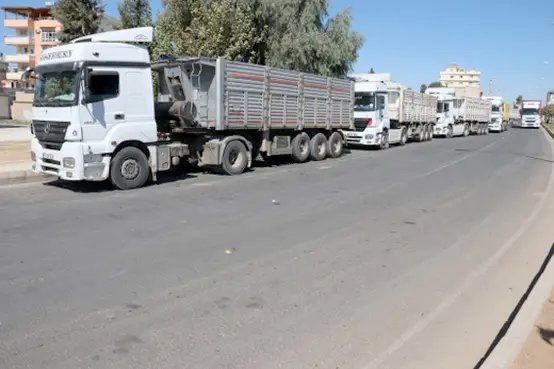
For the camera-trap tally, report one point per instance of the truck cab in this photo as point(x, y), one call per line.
point(530, 114)
point(446, 122)
point(497, 123)
point(371, 117)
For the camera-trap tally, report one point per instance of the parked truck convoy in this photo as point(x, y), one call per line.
point(531, 114)
point(94, 114)
point(386, 112)
point(460, 115)
point(497, 122)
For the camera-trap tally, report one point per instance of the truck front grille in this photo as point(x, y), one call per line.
point(360, 125)
point(51, 135)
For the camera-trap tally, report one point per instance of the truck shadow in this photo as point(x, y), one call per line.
point(279, 161)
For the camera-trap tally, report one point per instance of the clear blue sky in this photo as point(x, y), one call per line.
point(414, 40)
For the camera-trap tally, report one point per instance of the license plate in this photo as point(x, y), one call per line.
point(48, 156)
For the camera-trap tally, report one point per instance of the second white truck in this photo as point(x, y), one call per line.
point(459, 115)
point(388, 113)
point(497, 123)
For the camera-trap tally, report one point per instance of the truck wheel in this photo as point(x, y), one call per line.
point(431, 133)
point(318, 147)
point(403, 137)
point(129, 169)
point(450, 132)
point(485, 129)
point(301, 147)
point(335, 145)
point(235, 158)
point(466, 130)
point(384, 141)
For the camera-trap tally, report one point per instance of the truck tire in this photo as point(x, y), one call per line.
point(301, 147)
point(235, 158)
point(384, 141)
point(129, 168)
point(335, 145)
point(450, 132)
point(431, 132)
point(485, 129)
point(466, 130)
point(318, 147)
point(403, 137)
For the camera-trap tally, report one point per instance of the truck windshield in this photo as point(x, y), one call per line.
point(442, 107)
point(529, 112)
point(495, 108)
point(56, 88)
point(364, 101)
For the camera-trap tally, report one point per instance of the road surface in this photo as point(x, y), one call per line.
point(411, 257)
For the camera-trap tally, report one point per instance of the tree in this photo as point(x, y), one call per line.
point(422, 88)
point(220, 28)
point(519, 100)
point(302, 36)
point(548, 113)
point(135, 13)
point(371, 71)
point(435, 84)
point(78, 17)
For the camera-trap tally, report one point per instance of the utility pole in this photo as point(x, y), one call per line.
point(490, 87)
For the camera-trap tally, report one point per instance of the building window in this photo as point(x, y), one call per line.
point(48, 35)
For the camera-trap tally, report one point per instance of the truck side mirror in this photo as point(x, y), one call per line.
point(25, 76)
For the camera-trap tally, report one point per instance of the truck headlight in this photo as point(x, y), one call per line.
point(368, 137)
point(69, 162)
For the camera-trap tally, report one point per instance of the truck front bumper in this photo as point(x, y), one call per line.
point(362, 139)
point(440, 131)
point(73, 162)
point(495, 127)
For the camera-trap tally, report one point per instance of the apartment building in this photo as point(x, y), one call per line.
point(550, 97)
point(455, 76)
point(33, 30)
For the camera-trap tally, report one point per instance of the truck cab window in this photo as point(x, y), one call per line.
point(381, 102)
point(103, 85)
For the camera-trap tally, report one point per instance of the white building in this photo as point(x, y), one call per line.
point(456, 76)
point(550, 97)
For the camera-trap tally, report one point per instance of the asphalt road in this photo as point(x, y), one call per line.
point(411, 257)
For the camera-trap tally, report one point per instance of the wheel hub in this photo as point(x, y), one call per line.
point(130, 169)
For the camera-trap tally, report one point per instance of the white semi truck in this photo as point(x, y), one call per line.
point(497, 123)
point(530, 114)
point(388, 113)
point(459, 115)
point(95, 117)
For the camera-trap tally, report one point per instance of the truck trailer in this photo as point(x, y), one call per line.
point(531, 114)
point(388, 113)
point(459, 115)
point(95, 116)
point(511, 115)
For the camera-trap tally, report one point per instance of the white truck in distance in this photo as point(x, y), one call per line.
point(386, 112)
point(95, 118)
point(459, 115)
point(497, 123)
point(531, 114)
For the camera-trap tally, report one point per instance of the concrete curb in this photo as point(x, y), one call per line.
point(511, 343)
point(21, 176)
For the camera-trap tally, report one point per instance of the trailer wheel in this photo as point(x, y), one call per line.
point(466, 130)
point(301, 147)
point(485, 129)
point(129, 169)
point(318, 147)
point(403, 137)
point(335, 145)
point(431, 132)
point(235, 158)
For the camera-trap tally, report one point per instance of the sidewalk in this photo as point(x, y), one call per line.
point(538, 350)
point(15, 155)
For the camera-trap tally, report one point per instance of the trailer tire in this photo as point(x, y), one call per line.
point(318, 147)
point(335, 145)
point(485, 129)
point(129, 168)
point(431, 132)
point(235, 158)
point(403, 137)
point(301, 147)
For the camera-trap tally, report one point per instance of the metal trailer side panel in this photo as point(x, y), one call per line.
point(473, 109)
point(415, 107)
point(259, 97)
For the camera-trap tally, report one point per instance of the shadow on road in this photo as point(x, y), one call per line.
point(513, 314)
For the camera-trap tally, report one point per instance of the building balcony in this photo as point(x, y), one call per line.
point(17, 40)
point(18, 23)
point(50, 43)
point(14, 76)
point(20, 58)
